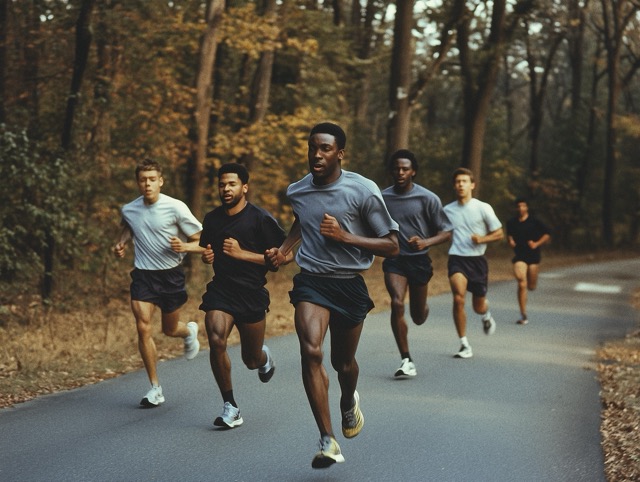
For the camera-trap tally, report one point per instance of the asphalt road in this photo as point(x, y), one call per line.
point(526, 407)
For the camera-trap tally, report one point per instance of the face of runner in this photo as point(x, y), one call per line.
point(324, 158)
point(231, 190)
point(523, 210)
point(403, 174)
point(149, 184)
point(463, 187)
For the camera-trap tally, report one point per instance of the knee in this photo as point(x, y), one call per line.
point(397, 305)
point(458, 300)
point(252, 360)
point(344, 366)
point(217, 343)
point(420, 316)
point(144, 328)
point(311, 354)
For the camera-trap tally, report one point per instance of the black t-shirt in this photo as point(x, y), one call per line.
point(531, 229)
point(254, 229)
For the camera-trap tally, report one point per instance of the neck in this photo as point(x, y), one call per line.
point(237, 208)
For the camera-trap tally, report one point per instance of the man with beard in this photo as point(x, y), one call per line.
point(235, 235)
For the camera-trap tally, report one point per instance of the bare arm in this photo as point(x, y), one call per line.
point(276, 257)
point(386, 246)
point(536, 244)
point(418, 244)
point(123, 238)
point(496, 235)
point(232, 248)
point(192, 245)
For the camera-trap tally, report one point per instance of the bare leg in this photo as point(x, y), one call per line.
point(458, 283)
point(520, 272)
point(219, 325)
point(397, 288)
point(312, 323)
point(143, 313)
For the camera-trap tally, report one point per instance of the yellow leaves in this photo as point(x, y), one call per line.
point(244, 30)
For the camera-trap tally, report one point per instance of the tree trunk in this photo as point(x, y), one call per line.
point(400, 81)
point(4, 8)
point(83, 42)
point(261, 85)
point(202, 114)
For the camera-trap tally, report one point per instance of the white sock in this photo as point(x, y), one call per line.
point(464, 341)
point(487, 315)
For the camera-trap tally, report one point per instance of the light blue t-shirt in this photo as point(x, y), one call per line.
point(474, 217)
point(419, 213)
point(357, 204)
point(152, 226)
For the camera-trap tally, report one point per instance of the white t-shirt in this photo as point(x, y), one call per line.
point(474, 217)
point(152, 226)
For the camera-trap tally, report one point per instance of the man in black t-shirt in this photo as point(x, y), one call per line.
point(526, 234)
point(235, 236)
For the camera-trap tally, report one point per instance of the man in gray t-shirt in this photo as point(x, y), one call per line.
point(163, 230)
point(341, 222)
point(423, 224)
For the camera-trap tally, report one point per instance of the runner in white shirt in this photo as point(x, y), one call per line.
point(474, 225)
point(163, 230)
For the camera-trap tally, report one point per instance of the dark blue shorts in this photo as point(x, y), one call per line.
point(347, 299)
point(417, 269)
point(474, 268)
point(164, 287)
point(246, 305)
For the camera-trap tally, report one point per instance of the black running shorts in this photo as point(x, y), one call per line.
point(417, 269)
point(474, 268)
point(346, 298)
point(246, 305)
point(164, 288)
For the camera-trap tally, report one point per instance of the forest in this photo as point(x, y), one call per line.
point(539, 98)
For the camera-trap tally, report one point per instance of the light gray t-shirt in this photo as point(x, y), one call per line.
point(153, 225)
point(357, 204)
point(419, 213)
point(474, 217)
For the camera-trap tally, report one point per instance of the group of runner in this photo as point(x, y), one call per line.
point(341, 222)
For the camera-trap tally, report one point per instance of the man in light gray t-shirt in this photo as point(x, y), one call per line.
point(474, 225)
point(163, 230)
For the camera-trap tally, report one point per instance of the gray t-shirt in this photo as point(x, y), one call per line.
point(419, 213)
point(152, 226)
point(474, 217)
point(357, 204)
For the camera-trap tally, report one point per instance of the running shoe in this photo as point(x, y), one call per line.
point(230, 417)
point(153, 398)
point(522, 321)
point(352, 419)
point(407, 369)
point(191, 343)
point(465, 352)
point(329, 453)
point(266, 372)
point(489, 325)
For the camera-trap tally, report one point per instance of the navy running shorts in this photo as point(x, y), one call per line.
point(347, 299)
point(246, 305)
point(417, 269)
point(474, 268)
point(164, 287)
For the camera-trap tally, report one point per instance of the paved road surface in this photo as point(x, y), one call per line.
point(525, 407)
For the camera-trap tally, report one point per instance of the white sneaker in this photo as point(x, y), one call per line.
point(465, 352)
point(153, 398)
point(352, 419)
point(329, 454)
point(191, 343)
point(266, 372)
point(407, 369)
point(489, 325)
point(230, 417)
